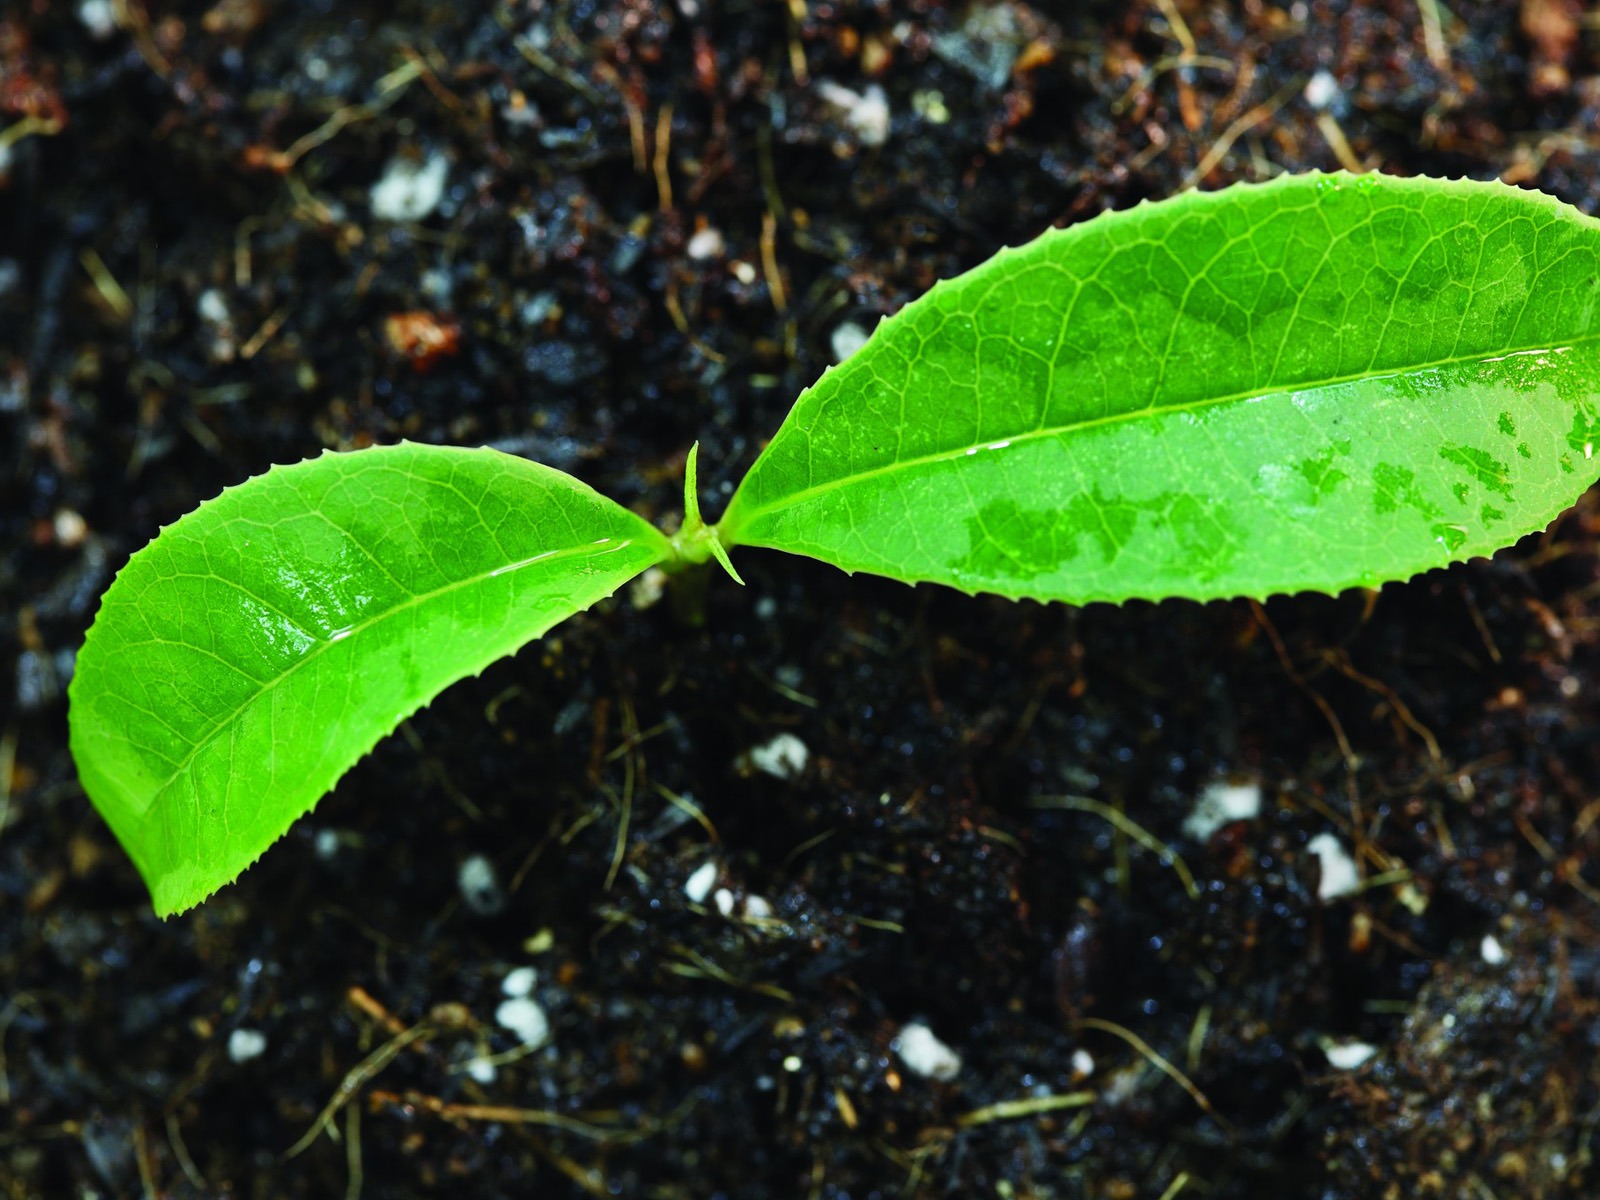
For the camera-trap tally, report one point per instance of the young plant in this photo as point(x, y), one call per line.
point(1322, 382)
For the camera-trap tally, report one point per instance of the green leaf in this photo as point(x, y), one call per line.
point(245, 659)
point(1315, 383)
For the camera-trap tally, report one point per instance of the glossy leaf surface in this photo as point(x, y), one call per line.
point(1315, 383)
point(259, 646)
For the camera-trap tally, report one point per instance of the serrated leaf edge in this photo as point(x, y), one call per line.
point(166, 907)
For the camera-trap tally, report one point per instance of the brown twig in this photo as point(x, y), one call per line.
point(356, 1078)
point(1219, 149)
point(1130, 828)
point(661, 163)
point(769, 263)
point(508, 1115)
point(1161, 1064)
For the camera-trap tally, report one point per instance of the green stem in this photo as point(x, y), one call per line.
point(696, 542)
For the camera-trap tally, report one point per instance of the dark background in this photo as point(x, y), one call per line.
point(193, 285)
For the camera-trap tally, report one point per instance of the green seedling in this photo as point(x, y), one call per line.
point(1323, 382)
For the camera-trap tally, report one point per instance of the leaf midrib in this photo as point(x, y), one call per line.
point(730, 533)
point(356, 631)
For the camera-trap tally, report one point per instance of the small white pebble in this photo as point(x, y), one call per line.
point(847, 338)
point(325, 845)
point(1492, 951)
point(1122, 1086)
point(1339, 876)
point(647, 590)
point(99, 17)
point(70, 528)
point(744, 272)
point(1322, 90)
point(245, 1044)
point(724, 901)
point(410, 191)
point(212, 306)
point(538, 307)
point(766, 608)
point(1082, 1064)
point(1220, 804)
point(925, 1055)
point(480, 886)
point(756, 908)
point(437, 286)
point(520, 981)
point(482, 1070)
point(706, 243)
point(524, 1018)
point(1347, 1056)
point(698, 886)
point(784, 757)
point(871, 119)
point(866, 113)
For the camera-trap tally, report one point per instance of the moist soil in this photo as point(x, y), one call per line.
point(614, 227)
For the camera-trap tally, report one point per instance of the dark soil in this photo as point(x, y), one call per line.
point(193, 285)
